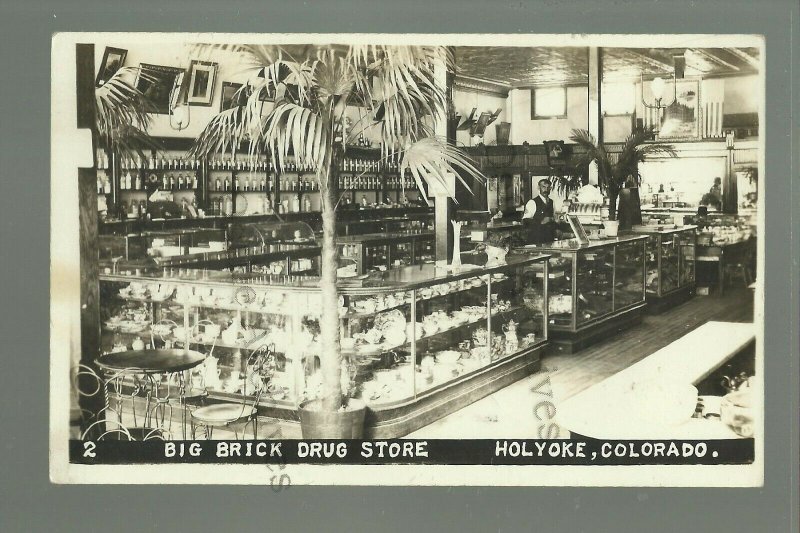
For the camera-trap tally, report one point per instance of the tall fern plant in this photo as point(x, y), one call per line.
point(404, 102)
point(613, 172)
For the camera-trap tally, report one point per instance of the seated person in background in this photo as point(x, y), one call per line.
point(713, 197)
point(539, 215)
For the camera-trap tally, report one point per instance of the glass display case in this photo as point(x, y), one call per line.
point(270, 248)
point(593, 288)
point(671, 254)
point(381, 251)
point(417, 341)
point(165, 243)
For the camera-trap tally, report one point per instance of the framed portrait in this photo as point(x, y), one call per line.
point(681, 120)
point(158, 89)
point(113, 59)
point(231, 96)
point(202, 78)
point(556, 153)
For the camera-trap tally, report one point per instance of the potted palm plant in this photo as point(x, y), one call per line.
point(402, 100)
point(615, 170)
point(123, 115)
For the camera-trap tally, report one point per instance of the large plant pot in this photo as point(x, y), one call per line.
point(347, 423)
point(611, 227)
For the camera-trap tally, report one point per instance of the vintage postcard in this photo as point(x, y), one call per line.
point(356, 259)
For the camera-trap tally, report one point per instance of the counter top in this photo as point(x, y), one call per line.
point(662, 230)
point(383, 236)
point(264, 253)
point(600, 411)
point(402, 278)
point(574, 245)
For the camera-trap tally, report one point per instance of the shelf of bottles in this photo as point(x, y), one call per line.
point(366, 176)
point(128, 181)
point(240, 184)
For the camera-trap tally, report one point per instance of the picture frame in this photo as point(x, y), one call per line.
point(556, 152)
point(113, 59)
point(578, 229)
point(681, 119)
point(202, 80)
point(230, 96)
point(158, 86)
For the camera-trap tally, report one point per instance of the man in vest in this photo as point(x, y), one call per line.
point(539, 216)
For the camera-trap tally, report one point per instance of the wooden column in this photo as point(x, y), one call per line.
point(730, 188)
point(594, 112)
point(595, 84)
point(444, 207)
point(88, 230)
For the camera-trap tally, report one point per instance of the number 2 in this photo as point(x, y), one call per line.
point(88, 449)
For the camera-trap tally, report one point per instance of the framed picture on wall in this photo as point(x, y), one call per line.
point(557, 153)
point(113, 59)
point(681, 119)
point(202, 78)
point(158, 85)
point(231, 96)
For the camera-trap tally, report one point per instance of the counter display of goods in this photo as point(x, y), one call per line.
point(266, 247)
point(162, 244)
point(382, 251)
point(593, 288)
point(349, 221)
point(671, 256)
point(418, 342)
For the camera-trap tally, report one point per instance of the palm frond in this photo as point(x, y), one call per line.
point(430, 160)
point(409, 101)
point(592, 152)
point(293, 128)
point(123, 113)
point(224, 132)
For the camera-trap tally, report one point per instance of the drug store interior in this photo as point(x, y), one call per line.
point(282, 242)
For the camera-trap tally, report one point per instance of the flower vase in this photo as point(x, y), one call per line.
point(456, 261)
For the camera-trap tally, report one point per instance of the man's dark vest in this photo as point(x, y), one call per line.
point(542, 209)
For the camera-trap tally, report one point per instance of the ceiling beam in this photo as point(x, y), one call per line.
point(653, 62)
point(480, 85)
point(744, 56)
point(714, 58)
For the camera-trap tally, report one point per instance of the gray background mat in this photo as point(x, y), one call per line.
point(29, 503)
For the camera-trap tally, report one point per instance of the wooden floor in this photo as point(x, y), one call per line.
point(512, 412)
point(578, 371)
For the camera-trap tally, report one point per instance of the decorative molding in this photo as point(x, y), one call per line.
point(745, 155)
point(475, 85)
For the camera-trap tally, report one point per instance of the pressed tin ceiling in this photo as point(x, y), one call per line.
point(540, 66)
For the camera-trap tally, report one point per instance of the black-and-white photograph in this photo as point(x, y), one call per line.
point(424, 251)
point(113, 59)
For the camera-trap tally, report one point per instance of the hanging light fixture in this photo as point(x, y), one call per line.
point(179, 114)
point(657, 86)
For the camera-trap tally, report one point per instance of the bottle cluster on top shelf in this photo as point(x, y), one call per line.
point(246, 184)
point(298, 184)
point(255, 164)
point(365, 183)
point(350, 164)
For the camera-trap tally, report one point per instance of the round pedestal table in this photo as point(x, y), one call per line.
point(148, 368)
